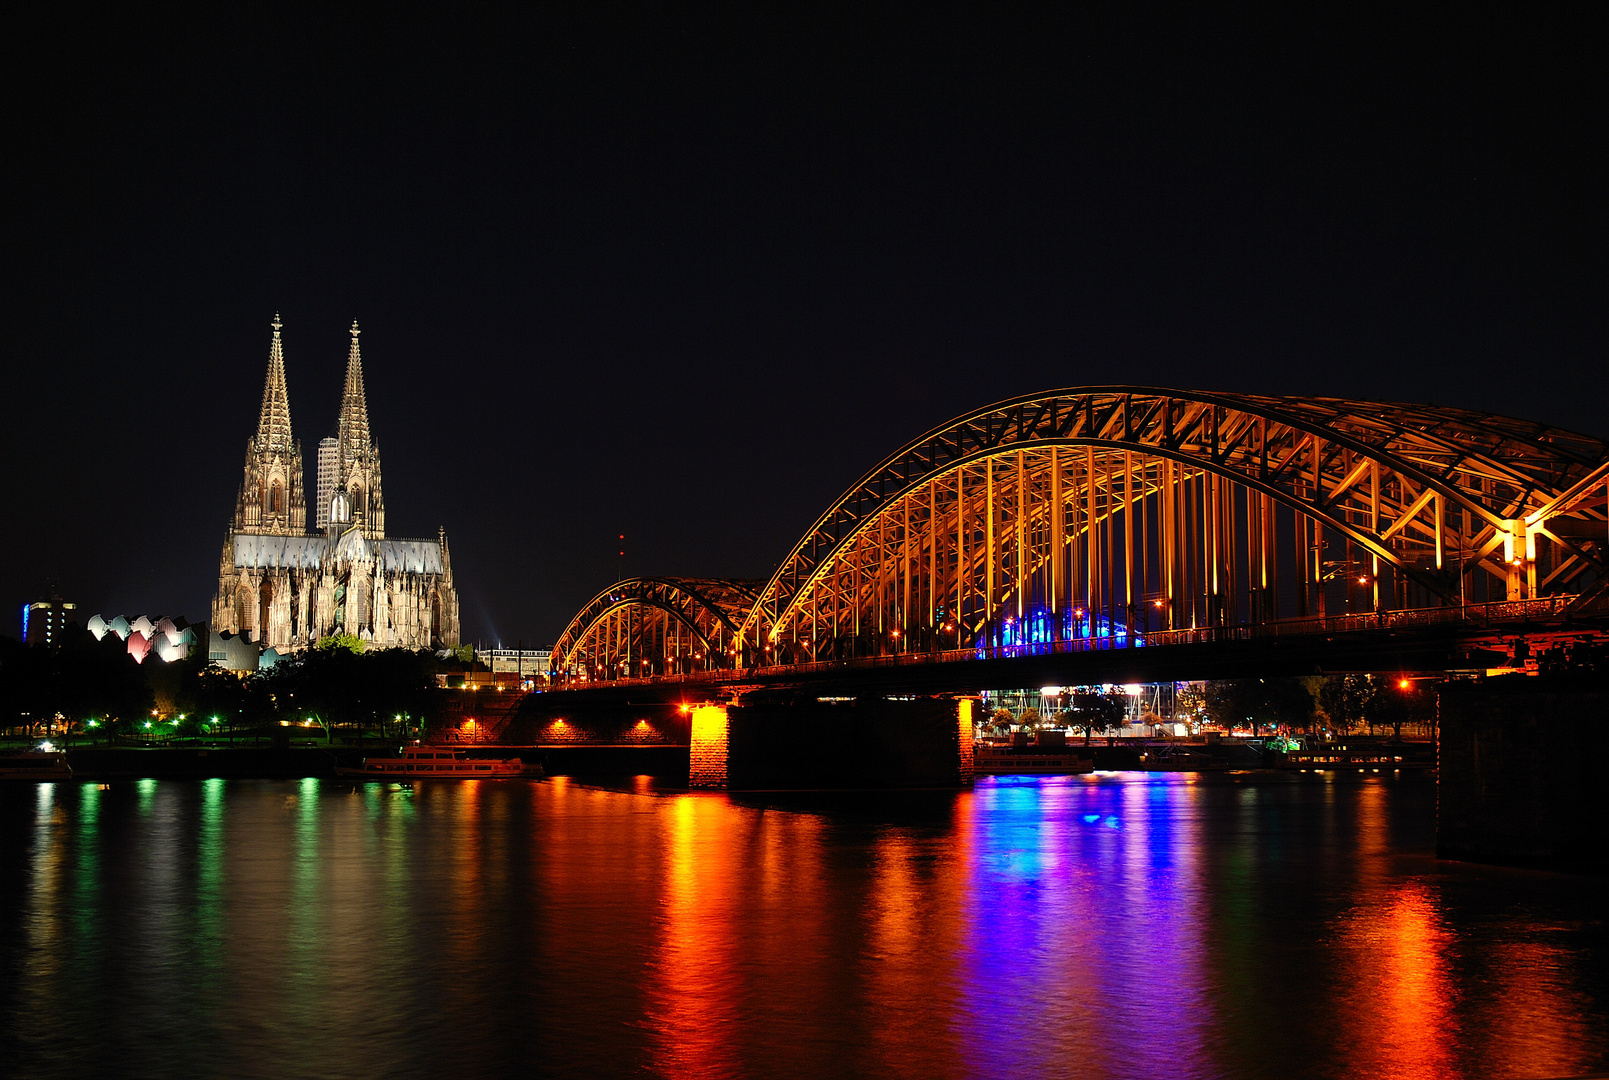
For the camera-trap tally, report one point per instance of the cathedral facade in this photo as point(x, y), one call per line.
point(284, 587)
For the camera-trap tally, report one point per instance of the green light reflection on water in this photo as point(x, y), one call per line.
point(41, 927)
point(82, 915)
point(390, 809)
point(209, 914)
point(306, 948)
point(86, 868)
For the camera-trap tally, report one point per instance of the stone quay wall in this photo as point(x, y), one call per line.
point(1522, 772)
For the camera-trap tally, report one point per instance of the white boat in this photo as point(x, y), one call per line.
point(35, 765)
point(438, 763)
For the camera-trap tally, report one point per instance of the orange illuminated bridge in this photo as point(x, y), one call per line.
point(1118, 517)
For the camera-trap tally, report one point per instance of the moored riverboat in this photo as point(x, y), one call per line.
point(439, 763)
point(1361, 755)
point(1011, 761)
point(35, 765)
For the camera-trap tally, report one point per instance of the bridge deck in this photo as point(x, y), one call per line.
point(1434, 639)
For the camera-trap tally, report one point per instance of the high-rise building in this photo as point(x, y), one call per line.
point(286, 588)
point(44, 622)
point(329, 470)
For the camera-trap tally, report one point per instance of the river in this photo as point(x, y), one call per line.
point(1124, 925)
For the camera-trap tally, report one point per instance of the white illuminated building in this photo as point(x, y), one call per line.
point(284, 587)
point(329, 468)
point(167, 638)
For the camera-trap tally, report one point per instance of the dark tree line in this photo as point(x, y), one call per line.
point(1376, 701)
point(96, 689)
point(390, 691)
point(1346, 702)
point(83, 680)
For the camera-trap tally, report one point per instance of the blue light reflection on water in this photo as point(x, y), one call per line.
point(1108, 925)
point(1087, 907)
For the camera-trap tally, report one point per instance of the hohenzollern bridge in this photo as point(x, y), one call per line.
point(1127, 533)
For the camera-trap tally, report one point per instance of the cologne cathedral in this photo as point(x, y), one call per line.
point(285, 587)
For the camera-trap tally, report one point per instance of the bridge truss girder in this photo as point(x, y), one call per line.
point(959, 529)
point(655, 625)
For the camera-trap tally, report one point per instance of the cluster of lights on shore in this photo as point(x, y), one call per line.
point(1131, 689)
point(157, 721)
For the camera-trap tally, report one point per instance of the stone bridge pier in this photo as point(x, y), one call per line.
point(1523, 778)
point(862, 742)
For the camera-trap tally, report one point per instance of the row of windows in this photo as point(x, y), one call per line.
point(275, 499)
point(1354, 758)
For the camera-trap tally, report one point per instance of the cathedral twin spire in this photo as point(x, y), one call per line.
point(271, 497)
point(357, 458)
point(274, 422)
point(352, 426)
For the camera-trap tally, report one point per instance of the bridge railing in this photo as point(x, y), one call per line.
point(1479, 615)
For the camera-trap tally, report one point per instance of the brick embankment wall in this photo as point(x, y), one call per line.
point(478, 715)
point(1522, 772)
point(655, 724)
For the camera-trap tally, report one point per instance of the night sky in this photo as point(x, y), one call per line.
point(687, 280)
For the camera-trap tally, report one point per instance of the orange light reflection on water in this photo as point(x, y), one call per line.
point(691, 1009)
point(1395, 1016)
point(1535, 1024)
point(913, 910)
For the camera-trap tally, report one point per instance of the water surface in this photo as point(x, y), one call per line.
point(1125, 925)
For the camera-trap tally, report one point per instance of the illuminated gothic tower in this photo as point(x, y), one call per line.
point(271, 499)
point(288, 589)
point(357, 459)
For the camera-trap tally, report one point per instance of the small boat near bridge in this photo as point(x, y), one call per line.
point(439, 763)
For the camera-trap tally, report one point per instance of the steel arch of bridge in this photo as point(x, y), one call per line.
point(680, 623)
point(1111, 511)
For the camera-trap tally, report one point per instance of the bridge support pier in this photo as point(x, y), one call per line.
point(867, 742)
point(707, 751)
point(1522, 779)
